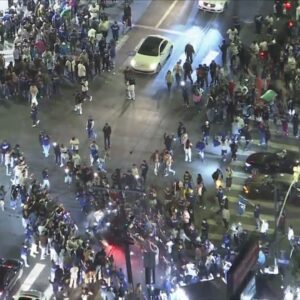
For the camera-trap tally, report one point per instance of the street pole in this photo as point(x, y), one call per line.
point(275, 219)
point(284, 202)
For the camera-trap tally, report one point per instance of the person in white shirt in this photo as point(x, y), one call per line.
point(232, 33)
point(73, 276)
point(81, 71)
point(291, 235)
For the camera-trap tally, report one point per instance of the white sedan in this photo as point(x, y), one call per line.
point(151, 54)
point(29, 295)
point(217, 6)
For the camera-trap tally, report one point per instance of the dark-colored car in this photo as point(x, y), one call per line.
point(10, 271)
point(267, 162)
point(262, 187)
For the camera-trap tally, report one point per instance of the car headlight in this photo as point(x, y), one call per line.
point(133, 63)
point(247, 165)
point(245, 189)
point(153, 66)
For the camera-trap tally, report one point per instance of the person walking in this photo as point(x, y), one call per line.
point(90, 124)
point(187, 69)
point(131, 89)
point(169, 80)
point(2, 198)
point(291, 235)
point(156, 159)
point(206, 131)
point(94, 152)
point(178, 72)
point(144, 170)
point(73, 276)
point(57, 153)
point(45, 141)
point(228, 177)
point(188, 151)
point(46, 182)
point(79, 98)
point(107, 133)
point(74, 144)
point(189, 52)
point(200, 146)
point(34, 115)
point(24, 254)
point(185, 96)
point(168, 160)
point(85, 90)
point(223, 47)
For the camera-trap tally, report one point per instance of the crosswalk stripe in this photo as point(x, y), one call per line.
point(48, 294)
point(32, 277)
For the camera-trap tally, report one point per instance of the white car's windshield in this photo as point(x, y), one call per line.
point(150, 46)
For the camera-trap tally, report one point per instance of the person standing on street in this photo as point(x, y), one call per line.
point(187, 69)
point(90, 124)
point(57, 153)
point(127, 16)
point(189, 52)
point(295, 122)
point(106, 132)
point(256, 214)
point(169, 80)
point(34, 115)
point(45, 141)
point(46, 182)
point(223, 47)
point(115, 28)
point(79, 97)
point(131, 89)
point(144, 170)
point(188, 151)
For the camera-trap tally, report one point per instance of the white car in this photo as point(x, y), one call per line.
point(29, 295)
point(217, 6)
point(151, 54)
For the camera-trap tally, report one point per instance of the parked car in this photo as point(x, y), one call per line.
point(10, 271)
point(262, 187)
point(267, 163)
point(151, 54)
point(29, 295)
point(217, 6)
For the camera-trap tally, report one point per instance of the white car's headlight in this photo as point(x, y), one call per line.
point(153, 66)
point(133, 63)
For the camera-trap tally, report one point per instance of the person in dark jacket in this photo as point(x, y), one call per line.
point(189, 52)
point(187, 69)
point(295, 122)
point(106, 132)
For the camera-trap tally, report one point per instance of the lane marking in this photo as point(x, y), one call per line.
point(166, 14)
point(121, 42)
point(32, 277)
point(48, 292)
point(175, 32)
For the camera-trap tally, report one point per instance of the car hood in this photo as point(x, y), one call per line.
point(259, 157)
point(145, 60)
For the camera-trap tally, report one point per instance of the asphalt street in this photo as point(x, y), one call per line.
point(137, 128)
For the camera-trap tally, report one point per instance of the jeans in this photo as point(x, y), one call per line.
point(46, 149)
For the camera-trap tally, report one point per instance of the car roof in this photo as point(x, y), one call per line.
point(155, 38)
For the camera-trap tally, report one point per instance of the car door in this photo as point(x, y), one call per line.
point(163, 51)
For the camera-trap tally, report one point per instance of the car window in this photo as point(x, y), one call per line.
point(27, 298)
point(150, 46)
point(163, 46)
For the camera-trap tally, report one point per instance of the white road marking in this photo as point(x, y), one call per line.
point(211, 55)
point(32, 277)
point(166, 14)
point(122, 41)
point(175, 32)
point(48, 292)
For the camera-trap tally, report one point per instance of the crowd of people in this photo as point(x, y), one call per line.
point(55, 41)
